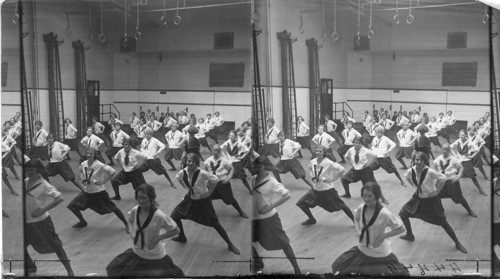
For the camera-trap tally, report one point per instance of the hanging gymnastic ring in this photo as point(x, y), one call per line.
point(164, 20)
point(486, 17)
point(124, 44)
point(335, 36)
point(137, 35)
point(15, 18)
point(370, 33)
point(256, 17)
point(301, 30)
point(177, 19)
point(410, 19)
point(102, 38)
point(396, 18)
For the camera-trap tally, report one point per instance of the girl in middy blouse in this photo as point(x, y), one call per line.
point(148, 257)
point(465, 150)
point(94, 175)
point(197, 204)
point(425, 204)
point(372, 255)
point(266, 223)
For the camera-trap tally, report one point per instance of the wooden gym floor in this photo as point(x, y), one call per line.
point(90, 249)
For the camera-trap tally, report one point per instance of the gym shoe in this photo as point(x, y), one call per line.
point(80, 225)
point(407, 237)
point(461, 248)
point(257, 265)
point(179, 238)
point(233, 249)
point(309, 222)
point(346, 196)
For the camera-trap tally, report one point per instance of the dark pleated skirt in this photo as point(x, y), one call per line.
point(305, 142)
point(8, 161)
point(42, 236)
point(404, 152)
point(269, 233)
point(328, 154)
point(429, 210)
point(73, 144)
point(477, 160)
point(204, 142)
point(487, 141)
point(173, 153)
point(343, 149)
point(135, 177)
point(385, 163)
point(354, 262)
point(469, 171)
point(336, 136)
point(129, 264)
point(291, 165)
point(329, 200)
point(365, 175)
point(223, 192)
point(239, 170)
point(200, 211)
point(270, 150)
point(40, 152)
point(61, 168)
point(496, 234)
point(155, 165)
point(453, 191)
point(99, 202)
point(435, 141)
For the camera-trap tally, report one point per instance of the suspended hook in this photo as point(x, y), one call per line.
point(124, 43)
point(486, 17)
point(91, 36)
point(358, 40)
point(137, 35)
point(301, 28)
point(370, 33)
point(409, 18)
point(177, 18)
point(68, 29)
point(323, 37)
point(102, 38)
point(164, 19)
point(335, 35)
point(256, 15)
point(15, 18)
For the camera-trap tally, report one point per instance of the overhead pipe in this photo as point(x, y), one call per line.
point(198, 7)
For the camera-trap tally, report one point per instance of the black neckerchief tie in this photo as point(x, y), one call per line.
point(422, 177)
point(232, 150)
point(215, 167)
point(185, 178)
point(444, 166)
point(87, 177)
point(143, 128)
point(356, 157)
point(28, 192)
point(50, 151)
point(378, 143)
point(3, 139)
point(378, 207)
point(260, 184)
point(463, 148)
point(88, 142)
point(140, 231)
point(316, 173)
point(37, 135)
point(269, 133)
point(127, 160)
point(320, 139)
point(281, 148)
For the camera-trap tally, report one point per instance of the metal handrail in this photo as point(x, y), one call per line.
point(344, 104)
point(110, 106)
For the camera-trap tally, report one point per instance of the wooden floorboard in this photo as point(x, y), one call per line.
point(92, 248)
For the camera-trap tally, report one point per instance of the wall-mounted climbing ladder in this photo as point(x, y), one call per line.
point(56, 111)
point(258, 99)
point(314, 84)
point(288, 85)
point(26, 108)
point(81, 88)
